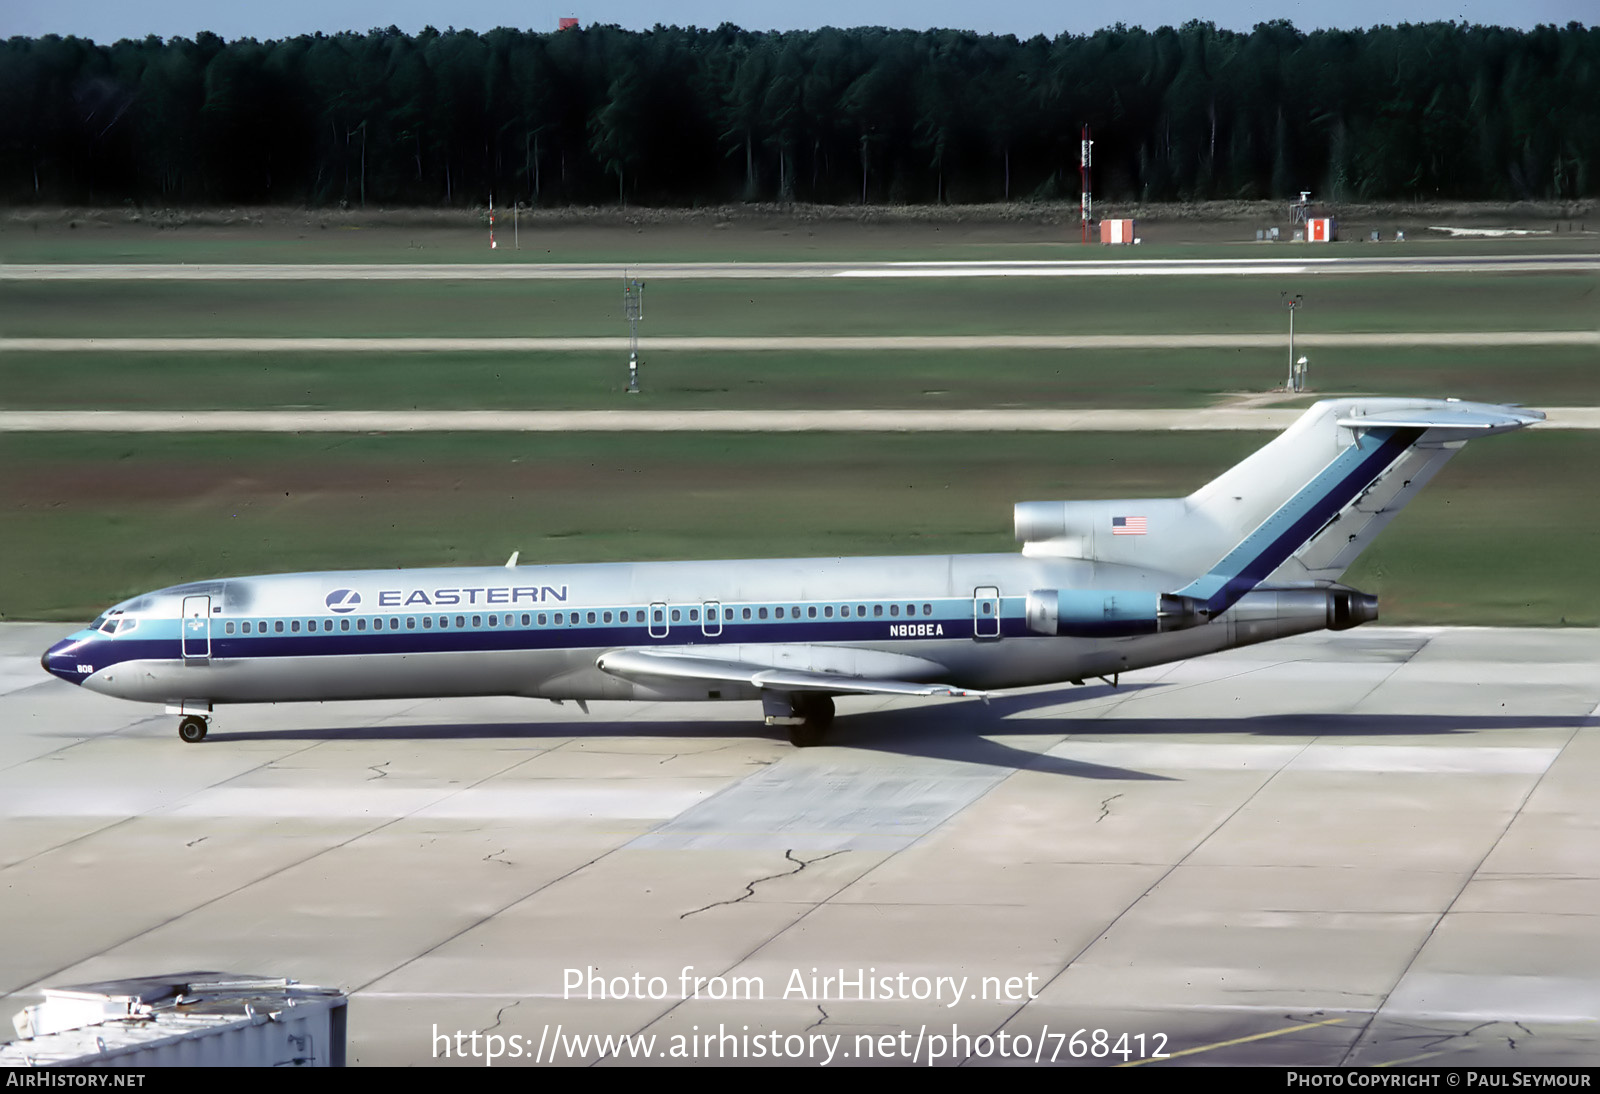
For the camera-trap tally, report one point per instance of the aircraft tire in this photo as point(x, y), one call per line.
point(817, 710)
point(192, 730)
point(807, 735)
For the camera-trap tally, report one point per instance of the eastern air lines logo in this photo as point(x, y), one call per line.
point(343, 600)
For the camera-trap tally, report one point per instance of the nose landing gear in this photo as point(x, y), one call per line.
point(192, 729)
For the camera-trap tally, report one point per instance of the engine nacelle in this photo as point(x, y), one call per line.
point(1259, 614)
point(1037, 521)
point(1121, 531)
point(1096, 613)
point(1348, 608)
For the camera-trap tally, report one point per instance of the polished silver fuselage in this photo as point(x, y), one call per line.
point(1099, 587)
point(539, 630)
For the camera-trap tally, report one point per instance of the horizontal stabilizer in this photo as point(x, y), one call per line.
point(676, 665)
point(1476, 419)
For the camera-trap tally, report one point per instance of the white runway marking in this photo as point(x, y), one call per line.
point(1470, 997)
point(510, 269)
point(552, 802)
point(1212, 756)
point(1438, 760)
point(816, 343)
point(682, 421)
point(1085, 269)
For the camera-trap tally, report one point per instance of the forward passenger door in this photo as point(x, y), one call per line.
point(196, 630)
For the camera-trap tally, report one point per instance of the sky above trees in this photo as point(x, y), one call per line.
point(106, 21)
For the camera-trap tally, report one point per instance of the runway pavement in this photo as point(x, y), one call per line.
point(811, 343)
point(1271, 260)
point(1365, 848)
point(1199, 419)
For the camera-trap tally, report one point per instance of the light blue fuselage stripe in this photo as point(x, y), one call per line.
point(951, 617)
point(1297, 520)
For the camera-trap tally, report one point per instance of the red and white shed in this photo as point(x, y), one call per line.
point(1116, 231)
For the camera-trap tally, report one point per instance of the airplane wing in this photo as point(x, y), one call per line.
point(764, 670)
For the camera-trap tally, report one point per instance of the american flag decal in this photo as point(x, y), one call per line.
point(1128, 526)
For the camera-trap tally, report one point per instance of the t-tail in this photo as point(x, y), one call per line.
point(1294, 515)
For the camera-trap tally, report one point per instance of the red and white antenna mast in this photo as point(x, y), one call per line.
point(1087, 209)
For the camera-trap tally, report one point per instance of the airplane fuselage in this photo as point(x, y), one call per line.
point(538, 630)
point(1099, 588)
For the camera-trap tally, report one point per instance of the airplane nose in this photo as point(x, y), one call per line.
point(60, 661)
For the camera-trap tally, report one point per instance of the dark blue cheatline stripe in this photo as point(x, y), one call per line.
point(351, 643)
point(1119, 629)
point(1265, 549)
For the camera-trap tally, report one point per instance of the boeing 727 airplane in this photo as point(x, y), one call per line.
point(1099, 588)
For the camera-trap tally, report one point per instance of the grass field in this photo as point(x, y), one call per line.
point(1506, 535)
point(1185, 305)
point(1559, 375)
point(686, 236)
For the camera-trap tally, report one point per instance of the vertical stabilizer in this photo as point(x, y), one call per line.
point(1299, 509)
point(1350, 462)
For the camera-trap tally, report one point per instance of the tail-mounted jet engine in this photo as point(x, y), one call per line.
point(1094, 613)
point(1348, 608)
point(1260, 614)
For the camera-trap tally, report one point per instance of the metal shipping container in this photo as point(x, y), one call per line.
point(208, 1019)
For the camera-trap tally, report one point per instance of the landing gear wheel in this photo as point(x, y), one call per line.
point(817, 710)
point(805, 736)
point(192, 729)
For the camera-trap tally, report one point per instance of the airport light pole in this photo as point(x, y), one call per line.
point(633, 308)
point(1293, 303)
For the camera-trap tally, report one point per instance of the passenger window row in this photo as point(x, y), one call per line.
point(561, 619)
point(860, 611)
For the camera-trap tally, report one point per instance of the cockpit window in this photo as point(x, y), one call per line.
point(115, 622)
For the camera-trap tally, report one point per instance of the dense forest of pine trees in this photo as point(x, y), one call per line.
point(687, 117)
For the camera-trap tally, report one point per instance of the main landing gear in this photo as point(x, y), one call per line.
point(192, 730)
point(808, 715)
